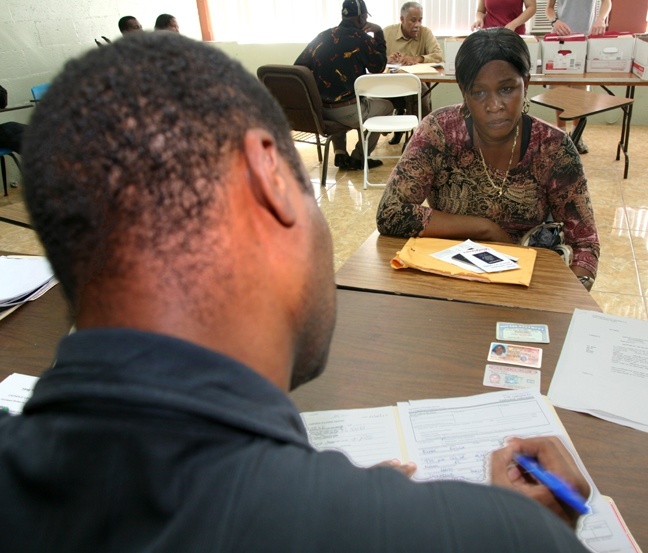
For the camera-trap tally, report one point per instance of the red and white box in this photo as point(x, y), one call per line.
point(534, 53)
point(451, 46)
point(564, 54)
point(611, 51)
point(640, 62)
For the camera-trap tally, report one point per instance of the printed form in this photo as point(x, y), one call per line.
point(603, 369)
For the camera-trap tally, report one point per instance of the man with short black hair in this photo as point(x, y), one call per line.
point(337, 57)
point(128, 24)
point(181, 223)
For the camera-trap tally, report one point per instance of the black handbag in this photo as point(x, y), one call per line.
point(549, 236)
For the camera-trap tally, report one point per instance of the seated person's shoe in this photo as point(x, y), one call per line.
point(342, 161)
point(357, 164)
point(582, 147)
point(396, 138)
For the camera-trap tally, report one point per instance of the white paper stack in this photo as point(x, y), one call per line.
point(603, 369)
point(24, 279)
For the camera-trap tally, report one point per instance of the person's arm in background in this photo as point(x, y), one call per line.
point(431, 47)
point(559, 27)
point(553, 456)
point(401, 212)
point(375, 48)
point(600, 24)
point(528, 13)
point(479, 16)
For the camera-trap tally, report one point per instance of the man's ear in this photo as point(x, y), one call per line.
point(268, 178)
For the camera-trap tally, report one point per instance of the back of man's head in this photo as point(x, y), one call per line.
point(129, 150)
point(353, 8)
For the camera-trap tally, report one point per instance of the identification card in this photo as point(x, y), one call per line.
point(512, 378)
point(512, 354)
point(518, 332)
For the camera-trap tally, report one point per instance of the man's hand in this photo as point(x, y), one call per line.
point(554, 456)
point(408, 469)
point(372, 28)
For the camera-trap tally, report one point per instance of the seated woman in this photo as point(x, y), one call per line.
point(487, 169)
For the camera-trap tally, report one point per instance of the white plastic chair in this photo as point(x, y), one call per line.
point(386, 85)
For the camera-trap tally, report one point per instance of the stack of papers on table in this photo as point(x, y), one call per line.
point(450, 439)
point(603, 369)
point(22, 279)
point(419, 69)
point(512, 264)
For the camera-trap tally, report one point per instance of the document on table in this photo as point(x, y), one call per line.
point(15, 390)
point(22, 279)
point(452, 438)
point(603, 369)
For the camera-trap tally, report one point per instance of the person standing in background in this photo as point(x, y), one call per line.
point(512, 14)
point(577, 17)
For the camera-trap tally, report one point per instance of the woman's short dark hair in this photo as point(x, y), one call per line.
point(498, 43)
point(163, 21)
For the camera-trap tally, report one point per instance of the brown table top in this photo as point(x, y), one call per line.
point(611, 78)
point(575, 103)
point(553, 286)
point(16, 214)
point(386, 349)
point(389, 348)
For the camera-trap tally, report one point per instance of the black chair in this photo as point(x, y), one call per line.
point(295, 89)
point(3, 168)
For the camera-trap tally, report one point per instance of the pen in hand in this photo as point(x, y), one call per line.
point(561, 489)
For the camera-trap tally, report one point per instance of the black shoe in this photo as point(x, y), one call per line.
point(342, 161)
point(357, 164)
point(396, 138)
point(582, 147)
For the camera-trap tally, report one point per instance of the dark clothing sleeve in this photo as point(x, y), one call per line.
point(3, 97)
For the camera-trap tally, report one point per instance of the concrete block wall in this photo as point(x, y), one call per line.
point(38, 36)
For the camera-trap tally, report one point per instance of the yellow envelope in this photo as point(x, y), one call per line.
point(416, 254)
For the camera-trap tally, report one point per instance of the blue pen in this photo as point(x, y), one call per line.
point(561, 489)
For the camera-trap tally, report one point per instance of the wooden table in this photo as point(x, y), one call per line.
point(553, 286)
point(605, 80)
point(16, 214)
point(576, 103)
point(389, 348)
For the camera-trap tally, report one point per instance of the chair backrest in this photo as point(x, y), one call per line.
point(39, 91)
point(388, 85)
point(295, 89)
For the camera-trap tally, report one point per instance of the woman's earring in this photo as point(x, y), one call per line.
point(526, 105)
point(464, 111)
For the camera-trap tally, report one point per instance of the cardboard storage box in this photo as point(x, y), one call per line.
point(534, 53)
point(610, 52)
point(563, 54)
point(452, 45)
point(640, 62)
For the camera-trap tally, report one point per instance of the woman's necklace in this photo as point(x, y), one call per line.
point(500, 189)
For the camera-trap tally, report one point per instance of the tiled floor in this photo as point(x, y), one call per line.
point(621, 208)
